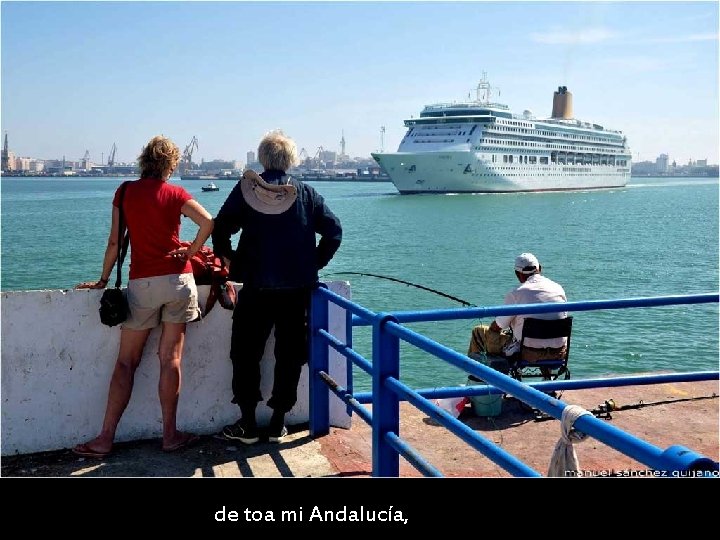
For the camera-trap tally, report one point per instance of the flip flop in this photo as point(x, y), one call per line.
point(190, 440)
point(85, 451)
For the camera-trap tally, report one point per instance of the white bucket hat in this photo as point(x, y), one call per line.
point(264, 197)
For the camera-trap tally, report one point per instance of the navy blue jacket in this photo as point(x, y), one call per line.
point(277, 251)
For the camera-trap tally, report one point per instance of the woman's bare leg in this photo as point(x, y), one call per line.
point(170, 354)
point(132, 343)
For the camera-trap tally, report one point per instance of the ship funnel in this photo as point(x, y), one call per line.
point(562, 103)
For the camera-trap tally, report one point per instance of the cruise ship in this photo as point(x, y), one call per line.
point(482, 147)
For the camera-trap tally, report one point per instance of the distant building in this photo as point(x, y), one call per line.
point(22, 163)
point(125, 168)
point(250, 158)
point(5, 165)
point(701, 163)
point(328, 156)
point(54, 164)
point(662, 163)
point(216, 165)
point(644, 168)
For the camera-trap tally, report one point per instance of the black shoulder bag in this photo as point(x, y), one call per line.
point(113, 304)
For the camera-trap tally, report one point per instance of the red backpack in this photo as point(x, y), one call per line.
point(208, 269)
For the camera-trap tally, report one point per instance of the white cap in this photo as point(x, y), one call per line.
point(526, 263)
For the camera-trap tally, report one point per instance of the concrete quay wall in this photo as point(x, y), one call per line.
point(57, 359)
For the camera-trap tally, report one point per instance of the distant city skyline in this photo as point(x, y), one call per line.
point(636, 159)
point(82, 76)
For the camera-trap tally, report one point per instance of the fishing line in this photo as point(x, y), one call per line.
point(389, 278)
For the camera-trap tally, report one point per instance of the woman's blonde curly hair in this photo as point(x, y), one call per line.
point(159, 158)
point(277, 151)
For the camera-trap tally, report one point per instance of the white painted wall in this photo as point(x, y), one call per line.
point(57, 359)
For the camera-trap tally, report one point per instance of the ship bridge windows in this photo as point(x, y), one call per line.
point(456, 112)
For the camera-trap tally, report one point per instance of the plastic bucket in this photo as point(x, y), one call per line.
point(490, 405)
point(487, 405)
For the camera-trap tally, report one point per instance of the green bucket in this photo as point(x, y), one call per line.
point(489, 405)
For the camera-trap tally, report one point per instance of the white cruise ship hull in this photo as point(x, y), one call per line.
point(465, 172)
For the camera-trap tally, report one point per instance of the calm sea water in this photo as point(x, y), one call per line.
point(656, 237)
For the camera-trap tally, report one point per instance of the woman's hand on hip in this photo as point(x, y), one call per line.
point(181, 253)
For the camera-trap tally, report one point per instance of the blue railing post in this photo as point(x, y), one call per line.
point(319, 361)
point(348, 362)
point(385, 403)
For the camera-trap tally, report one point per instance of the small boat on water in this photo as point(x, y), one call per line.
point(211, 187)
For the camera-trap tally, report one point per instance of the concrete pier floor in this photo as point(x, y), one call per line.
point(672, 413)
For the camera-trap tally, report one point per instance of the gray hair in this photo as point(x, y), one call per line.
point(277, 151)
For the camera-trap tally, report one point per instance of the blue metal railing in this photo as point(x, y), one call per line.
point(388, 390)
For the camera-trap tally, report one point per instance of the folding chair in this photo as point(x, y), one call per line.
point(550, 369)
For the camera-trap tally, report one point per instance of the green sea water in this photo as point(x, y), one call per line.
point(655, 237)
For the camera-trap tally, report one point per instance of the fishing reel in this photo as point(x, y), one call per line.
point(604, 409)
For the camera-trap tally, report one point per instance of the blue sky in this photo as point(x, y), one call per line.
point(80, 76)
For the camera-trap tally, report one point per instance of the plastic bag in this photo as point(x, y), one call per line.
point(454, 405)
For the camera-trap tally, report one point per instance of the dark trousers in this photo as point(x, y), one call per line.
point(256, 312)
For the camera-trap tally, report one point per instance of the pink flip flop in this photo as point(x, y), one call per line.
point(85, 451)
point(190, 440)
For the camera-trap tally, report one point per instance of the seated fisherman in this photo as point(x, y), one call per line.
point(503, 336)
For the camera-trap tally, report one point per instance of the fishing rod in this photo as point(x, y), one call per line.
point(389, 278)
point(604, 409)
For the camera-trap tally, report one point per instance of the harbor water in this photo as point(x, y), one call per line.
point(656, 237)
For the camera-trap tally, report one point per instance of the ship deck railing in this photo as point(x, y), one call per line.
point(388, 390)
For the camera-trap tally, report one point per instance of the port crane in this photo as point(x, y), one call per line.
point(317, 158)
point(186, 161)
point(111, 157)
point(304, 158)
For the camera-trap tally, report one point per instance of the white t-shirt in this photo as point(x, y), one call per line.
point(537, 289)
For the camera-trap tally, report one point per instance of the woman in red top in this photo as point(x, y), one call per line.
point(161, 288)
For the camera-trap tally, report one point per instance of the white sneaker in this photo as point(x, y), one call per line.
point(278, 437)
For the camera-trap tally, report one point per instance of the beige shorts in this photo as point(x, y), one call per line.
point(172, 298)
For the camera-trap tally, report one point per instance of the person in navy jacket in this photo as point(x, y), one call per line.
point(277, 260)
